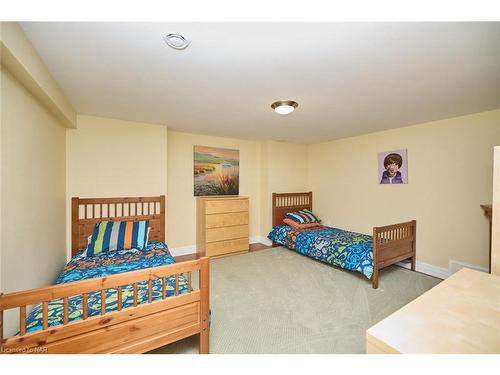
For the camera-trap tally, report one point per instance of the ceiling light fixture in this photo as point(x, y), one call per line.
point(176, 41)
point(284, 107)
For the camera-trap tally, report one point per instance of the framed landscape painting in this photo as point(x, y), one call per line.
point(216, 171)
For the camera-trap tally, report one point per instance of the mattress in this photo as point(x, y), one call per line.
point(82, 268)
point(349, 250)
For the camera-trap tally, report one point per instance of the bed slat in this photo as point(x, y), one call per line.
point(103, 301)
point(150, 290)
point(45, 315)
point(119, 297)
point(84, 306)
point(176, 284)
point(65, 310)
point(164, 287)
point(22, 320)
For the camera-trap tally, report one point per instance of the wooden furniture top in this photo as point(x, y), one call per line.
point(222, 197)
point(459, 315)
point(87, 212)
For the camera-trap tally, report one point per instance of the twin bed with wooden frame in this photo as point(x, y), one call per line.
point(391, 243)
point(135, 329)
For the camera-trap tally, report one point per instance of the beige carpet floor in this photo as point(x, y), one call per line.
point(278, 301)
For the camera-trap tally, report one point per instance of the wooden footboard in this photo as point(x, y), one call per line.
point(136, 329)
point(392, 244)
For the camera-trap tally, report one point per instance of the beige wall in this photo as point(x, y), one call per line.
point(181, 203)
point(114, 158)
point(33, 192)
point(450, 174)
point(33, 113)
point(19, 56)
point(495, 245)
point(284, 169)
point(96, 167)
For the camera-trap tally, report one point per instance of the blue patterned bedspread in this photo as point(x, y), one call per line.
point(81, 268)
point(349, 250)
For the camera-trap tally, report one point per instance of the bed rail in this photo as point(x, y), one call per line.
point(139, 328)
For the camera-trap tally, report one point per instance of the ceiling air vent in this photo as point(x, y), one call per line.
point(176, 41)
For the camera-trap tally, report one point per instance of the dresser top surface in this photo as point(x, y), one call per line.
point(222, 197)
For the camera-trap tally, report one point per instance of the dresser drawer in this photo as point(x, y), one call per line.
point(226, 205)
point(226, 233)
point(226, 220)
point(226, 247)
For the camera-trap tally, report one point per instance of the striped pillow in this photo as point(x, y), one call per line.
point(118, 235)
point(310, 214)
point(304, 216)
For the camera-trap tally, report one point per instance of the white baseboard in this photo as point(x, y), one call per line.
point(456, 265)
point(440, 272)
point(428, 269)
point(183, 250)
point(260, 239)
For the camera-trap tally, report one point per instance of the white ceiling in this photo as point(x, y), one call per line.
point(348, 78)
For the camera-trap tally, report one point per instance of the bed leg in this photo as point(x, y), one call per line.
point(375, 258)
point(375, 279)
point(204, 341)
point(414, 244)
point(204, 306)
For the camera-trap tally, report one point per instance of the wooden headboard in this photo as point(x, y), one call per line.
point(288, 202)
point(86, 212)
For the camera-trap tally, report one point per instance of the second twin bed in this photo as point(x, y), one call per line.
point(349, 250)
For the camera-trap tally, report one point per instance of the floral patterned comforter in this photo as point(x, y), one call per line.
point(337, 247)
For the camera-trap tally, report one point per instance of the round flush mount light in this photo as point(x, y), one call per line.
point(284, 107)
point(176, 41)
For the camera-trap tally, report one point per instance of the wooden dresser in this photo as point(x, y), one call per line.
point(221, 226)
